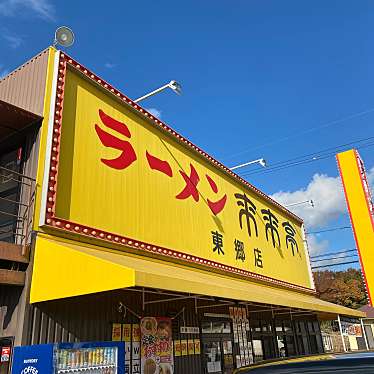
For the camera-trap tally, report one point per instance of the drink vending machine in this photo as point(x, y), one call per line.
point(90, 358)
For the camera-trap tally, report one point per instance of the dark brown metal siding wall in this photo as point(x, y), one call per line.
point(9, 308)
point(31, 152)
point(30, 168)
point(89, 318)
point(25, 86)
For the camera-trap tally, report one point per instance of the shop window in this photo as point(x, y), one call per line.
point(310, 327)
point(300, 345)
point(278, 326)
point(268, 347)
point(216, 327)
point(258, 352)
point(281, 345)
point(313, 344)
point(302, 327)
point(306, 344)
point(255, 325)
point(290, 345)
point(287, 326)
point(316, 327)
point(266, 326)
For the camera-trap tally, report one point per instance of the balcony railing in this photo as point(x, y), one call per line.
point(17, 197)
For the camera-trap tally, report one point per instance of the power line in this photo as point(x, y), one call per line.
point(334, 253)
point(331, 265)
point(334, 258)
point(329, 149)
point(327, 124)
point(309, 158)
point(301, 162)
point(327, 230)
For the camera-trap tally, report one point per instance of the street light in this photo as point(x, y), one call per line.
point(301, 203)
point(260, 161)
point(64, 37)
point(174, 85)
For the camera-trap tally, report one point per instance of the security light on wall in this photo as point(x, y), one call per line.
point(173, 85)
point(64, 37)
point(260, 161)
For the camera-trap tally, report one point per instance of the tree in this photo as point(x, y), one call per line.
point(341, 287)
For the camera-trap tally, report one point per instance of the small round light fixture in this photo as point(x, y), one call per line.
point(64, 37)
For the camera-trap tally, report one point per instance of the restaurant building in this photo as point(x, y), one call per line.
point(111, 221)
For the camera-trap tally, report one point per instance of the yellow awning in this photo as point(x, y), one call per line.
point(64, 269)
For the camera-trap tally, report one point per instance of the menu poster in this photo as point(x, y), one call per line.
point(127, 367)
point(184, 347)
point(197, 346)
point(231, 312)
point(127, 351)
point(177, 348)
point(126, 332)
point(191, 347)
point(236, 337)
point(116, 332)
point(247, 325)
point(5, 354)
point(136, 367)
point(156, 345)
point(136, 332)
point(135, 348)
point(243, 325)
point(240, 314)
point(238, 361)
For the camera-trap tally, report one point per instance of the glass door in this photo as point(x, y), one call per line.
point(228, 358)
point(212, 356)
point(218, 356)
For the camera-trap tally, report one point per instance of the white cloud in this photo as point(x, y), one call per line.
point(42, 8)
point(13, 40)
point(109, 65)
point(316, 246)
point(155, 112)
point(327, 195)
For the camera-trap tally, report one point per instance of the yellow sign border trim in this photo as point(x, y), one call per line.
point(52, 221)
point(363, 176)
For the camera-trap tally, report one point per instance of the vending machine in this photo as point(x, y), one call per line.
point(90, 358)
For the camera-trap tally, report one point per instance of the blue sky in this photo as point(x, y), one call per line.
point(261, 78)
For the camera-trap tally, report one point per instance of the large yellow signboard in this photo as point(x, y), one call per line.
point(119, 176)
point(360, 206)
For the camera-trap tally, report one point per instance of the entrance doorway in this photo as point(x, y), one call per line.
point(218, 356)
point(217, 344)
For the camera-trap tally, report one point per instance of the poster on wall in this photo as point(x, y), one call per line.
point(156, 346)
point(135, 349)
point(116, 332)
point(5, 354)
